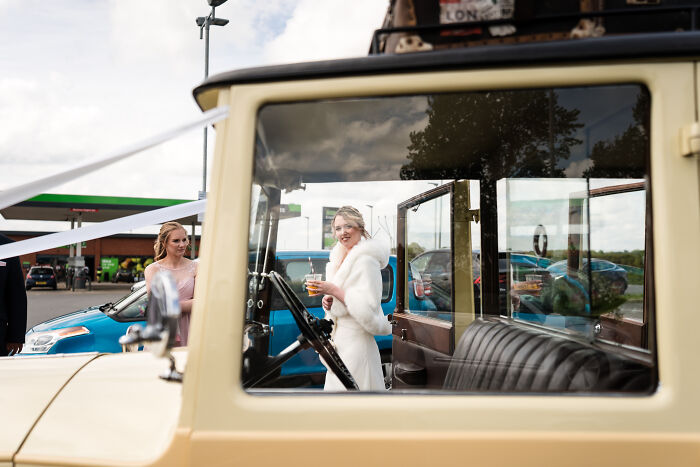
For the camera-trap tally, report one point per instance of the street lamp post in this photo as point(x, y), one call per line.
point(371, 219)
point(204, 22)
point(307, 231)
point(435, 239)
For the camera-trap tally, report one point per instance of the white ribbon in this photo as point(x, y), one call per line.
point(28, 190)
point(115, 226)
point(103, 229)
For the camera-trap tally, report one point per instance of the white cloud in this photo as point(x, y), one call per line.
point(86, 78)
point(577, 168)
point(156, 29)
point(328, 29)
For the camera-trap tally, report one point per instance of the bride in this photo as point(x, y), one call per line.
point(353, 294)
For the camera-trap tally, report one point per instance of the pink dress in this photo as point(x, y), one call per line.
point(184, 278)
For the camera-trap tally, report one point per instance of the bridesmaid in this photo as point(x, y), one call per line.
point(170, 248)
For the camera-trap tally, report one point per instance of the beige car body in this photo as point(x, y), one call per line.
point(114, 409)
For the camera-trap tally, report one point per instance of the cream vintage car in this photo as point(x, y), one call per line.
point(569, 150)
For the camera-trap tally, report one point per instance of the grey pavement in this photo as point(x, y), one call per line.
point(44, 304)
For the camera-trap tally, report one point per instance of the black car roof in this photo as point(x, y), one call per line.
point(632, 47)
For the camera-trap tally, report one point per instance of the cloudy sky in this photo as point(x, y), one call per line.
point(82, 78)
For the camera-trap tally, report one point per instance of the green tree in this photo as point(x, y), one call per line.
point(491, 135)
point(413, 250)
point(625, 155)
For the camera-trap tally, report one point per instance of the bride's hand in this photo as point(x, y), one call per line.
point(322, 287)
point(327, 302)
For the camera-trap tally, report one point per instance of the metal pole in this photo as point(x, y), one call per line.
point(437, 229)
point(71, 248)
point(193, 242)
point(435, 220)
point(207, 22)
point(79, 245)
point(371, 219)
point(204, 22)
point(440, 200)
point(307, 232)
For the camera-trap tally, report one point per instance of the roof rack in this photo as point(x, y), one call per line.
point(476, 33)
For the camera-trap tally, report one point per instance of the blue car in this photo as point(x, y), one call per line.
point(94, 329)
point(98, 328)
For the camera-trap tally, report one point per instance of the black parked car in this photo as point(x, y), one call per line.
point(40, 276)
point(123, 275)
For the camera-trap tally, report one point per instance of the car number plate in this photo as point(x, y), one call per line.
point(41, 283)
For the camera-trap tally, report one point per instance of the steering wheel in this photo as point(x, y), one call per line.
point(314, 332)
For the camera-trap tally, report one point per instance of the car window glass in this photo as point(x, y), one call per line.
point(428, 237)
point(387, 283)
point(524, 208)
point(571, 285)
point(135, 309)
point(421, 261)
point(293, 271)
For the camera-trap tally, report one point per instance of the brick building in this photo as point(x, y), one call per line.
point(120, 246)
point(121, 249)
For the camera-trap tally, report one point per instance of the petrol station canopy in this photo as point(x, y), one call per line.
point(59, 207)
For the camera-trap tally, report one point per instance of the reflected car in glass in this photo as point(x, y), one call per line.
point(606, 274)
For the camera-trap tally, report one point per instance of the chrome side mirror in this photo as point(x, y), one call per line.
point(130, 331)
point(162, 314)
point(162, 318)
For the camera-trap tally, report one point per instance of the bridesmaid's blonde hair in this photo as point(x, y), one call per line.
point(162, 239)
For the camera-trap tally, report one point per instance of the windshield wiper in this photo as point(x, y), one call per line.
point(106, 306)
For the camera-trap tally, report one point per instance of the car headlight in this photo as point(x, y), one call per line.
point(41, 342)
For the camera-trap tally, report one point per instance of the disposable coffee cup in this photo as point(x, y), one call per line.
point(312, 277)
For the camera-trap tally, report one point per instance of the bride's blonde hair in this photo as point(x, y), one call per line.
point(353, 216)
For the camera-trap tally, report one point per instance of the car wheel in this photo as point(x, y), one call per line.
point(28, 288)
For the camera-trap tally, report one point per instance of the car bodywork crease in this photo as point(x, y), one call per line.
point(41, 414)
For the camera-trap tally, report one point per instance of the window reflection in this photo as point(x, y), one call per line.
point(521, 206)
point(429, 255)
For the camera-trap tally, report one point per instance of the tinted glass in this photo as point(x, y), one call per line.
point(41, 271)
point(387, 283)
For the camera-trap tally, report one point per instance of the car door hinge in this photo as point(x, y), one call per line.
point(690, 139)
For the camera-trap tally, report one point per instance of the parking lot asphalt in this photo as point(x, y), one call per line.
point(43, 304)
